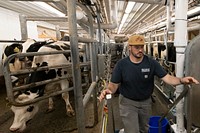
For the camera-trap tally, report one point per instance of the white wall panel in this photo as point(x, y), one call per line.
point(9, 25)
point(10, 29)
point(32, 30)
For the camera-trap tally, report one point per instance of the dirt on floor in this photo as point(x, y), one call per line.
point(54, 122)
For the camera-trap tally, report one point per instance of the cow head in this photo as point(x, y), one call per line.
point(23, 114)
point(32, 46)
point(14, 48)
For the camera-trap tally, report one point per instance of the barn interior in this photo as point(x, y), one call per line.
point(107, 24)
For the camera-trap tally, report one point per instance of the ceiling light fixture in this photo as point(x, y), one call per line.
point(129, 8)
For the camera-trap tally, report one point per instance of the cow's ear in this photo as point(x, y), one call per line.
point(30, 108)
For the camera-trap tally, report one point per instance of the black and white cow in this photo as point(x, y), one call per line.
point(170, 53)
point(15, 64)
point(11, 49)
point(32, 46)
point(25, 113)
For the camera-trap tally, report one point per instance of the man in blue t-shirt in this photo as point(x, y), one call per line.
point(134, 75)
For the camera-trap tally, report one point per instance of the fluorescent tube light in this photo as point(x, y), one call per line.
point(124, 18)
point(129, 6)
point(120, 27)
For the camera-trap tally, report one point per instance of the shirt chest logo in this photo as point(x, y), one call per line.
point(145, 71)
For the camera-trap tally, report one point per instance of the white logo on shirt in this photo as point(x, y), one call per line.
point(145, 70)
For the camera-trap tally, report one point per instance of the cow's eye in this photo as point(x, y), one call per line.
point(30, 108)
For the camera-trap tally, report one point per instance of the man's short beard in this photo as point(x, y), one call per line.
point(135, 55)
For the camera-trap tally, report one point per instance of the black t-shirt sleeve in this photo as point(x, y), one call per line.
point(159, 71)
point(117, 73)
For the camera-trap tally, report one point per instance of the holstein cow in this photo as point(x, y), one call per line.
point(32, 46)
point(23, 114)
point(20, 63)
point(29, 46)
point(170, 53)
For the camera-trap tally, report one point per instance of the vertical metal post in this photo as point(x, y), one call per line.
point(189, 110)
point(58, 34)
point(180, 42)
point(93, 59)
point(111, 126)
point(149, 45)
point(8, 81)
point(23, 24)
point(99, 31)
point(71, 6)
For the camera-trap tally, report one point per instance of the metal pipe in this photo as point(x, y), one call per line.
point(163, 2)
point(192, 28)
point(38, 0)
point(99, 31)
point(113, 24)
point(111, 125)
point(58, 34)
point(103, 8)
point(29, 70)
point(23, 25)
point(180, 42)
point(88, 94)
point(71, 6)
point(11, 41)
point(168, 25)
point(38, 18)
point(163, 24)
point(40, 98)
point(86, 40)
point(178, 99)
point(93, 58)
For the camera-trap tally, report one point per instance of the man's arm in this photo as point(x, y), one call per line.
point(169, 79)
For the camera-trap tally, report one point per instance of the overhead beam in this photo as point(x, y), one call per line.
point(38, 0)
point(37, 18)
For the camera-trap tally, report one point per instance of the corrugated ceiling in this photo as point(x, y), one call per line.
point(141, 16)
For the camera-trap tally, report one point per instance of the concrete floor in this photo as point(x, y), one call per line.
point(58, 122)
point(53, 122)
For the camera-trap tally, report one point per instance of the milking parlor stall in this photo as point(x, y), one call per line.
point(58, 55)
point(42, 64)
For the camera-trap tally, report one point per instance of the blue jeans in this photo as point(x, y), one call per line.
point(135, 114)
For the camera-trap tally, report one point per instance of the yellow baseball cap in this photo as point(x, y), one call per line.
point(136, 40)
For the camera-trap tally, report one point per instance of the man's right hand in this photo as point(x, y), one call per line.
point(103, 94)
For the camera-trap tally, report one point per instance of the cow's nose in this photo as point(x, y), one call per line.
point(13, 129)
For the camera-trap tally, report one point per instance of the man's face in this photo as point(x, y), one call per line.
point(137, 51)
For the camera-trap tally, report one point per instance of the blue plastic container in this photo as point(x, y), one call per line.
point(154, 124)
